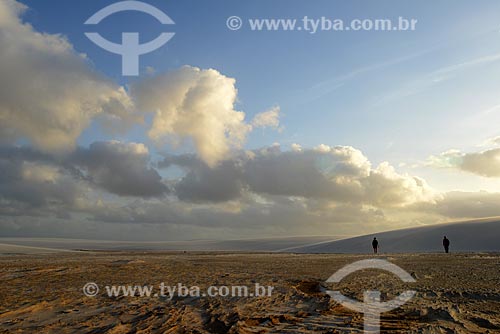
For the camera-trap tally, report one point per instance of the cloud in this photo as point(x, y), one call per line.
point(308, 173)
point(340, 173)
point(203, 183)
point(495, 141)
point(468, 64)
point(384, 187)
point(484, 163)
point(199, 105)
point(265, 192)
point(196, 104)
point(269, 118)
point(433, 78)
point(296, 147)
point(251, 216)
point(464, 205)
point(120, 168)
point(49, 93)
point(34, 184)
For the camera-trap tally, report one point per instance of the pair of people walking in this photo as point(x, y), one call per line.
point(446, 245)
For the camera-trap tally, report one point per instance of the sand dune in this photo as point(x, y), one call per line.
point(265, 244)
point(6, 249)
point(471, 236)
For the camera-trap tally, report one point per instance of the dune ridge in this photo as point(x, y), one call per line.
point(469, 236)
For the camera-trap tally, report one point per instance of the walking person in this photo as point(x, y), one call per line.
point(446, 244)
point(375, 245)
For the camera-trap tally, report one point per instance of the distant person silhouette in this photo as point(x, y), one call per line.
point(375, 245)
point(446, 244)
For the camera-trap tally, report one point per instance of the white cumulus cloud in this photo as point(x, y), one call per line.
point(483, 163)
point(196, 104)
point(48, 93)
point(269, 118)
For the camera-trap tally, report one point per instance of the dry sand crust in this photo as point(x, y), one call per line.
point(456, 293)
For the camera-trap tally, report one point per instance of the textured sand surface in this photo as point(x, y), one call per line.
point(456, 293)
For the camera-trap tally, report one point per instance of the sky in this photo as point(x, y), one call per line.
point(247, 133)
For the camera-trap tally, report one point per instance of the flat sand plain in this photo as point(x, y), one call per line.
point(456, 293)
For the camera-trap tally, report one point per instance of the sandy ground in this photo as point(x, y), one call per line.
point(456, 293)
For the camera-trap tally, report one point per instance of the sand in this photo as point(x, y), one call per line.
point(456, 293)
point(261, 244)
